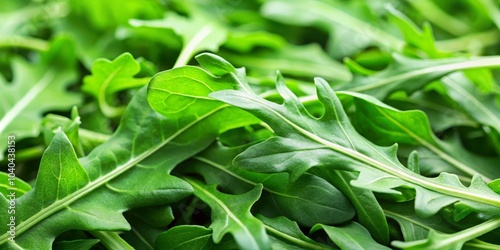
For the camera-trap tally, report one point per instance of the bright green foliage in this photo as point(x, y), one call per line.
point(36, 89)
point(231, 214)
point(110, 77)
point(350, 236)
point(269, 124)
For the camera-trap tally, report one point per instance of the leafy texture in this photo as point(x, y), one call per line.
point(385, 125)
point(405, 70)
point(308, 200)
point(110, 77)
point(483, 108)
point(350, 236)
point(139, 145)
point(231, 214)
point(35, 89)
point(199, 32)
point(349, 31)
point(301, 61)
point(190, 237)
point(288, 234)
point(330, 141)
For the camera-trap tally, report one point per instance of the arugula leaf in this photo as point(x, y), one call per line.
point(416, 39)
point(419, 72)
point(482, 107)
point(350, 32)
point(21, 187)
point(368, 211)
point(380, 122)
point(289, 234)
point(300, 61)
point(109, 169)
point(191, 237)
point(36, 89)
point(231, 214)
point(453, 241)
point(199, 32)
point(322, 201)
point(350, 236)
point(331, 141)
point(110, 77)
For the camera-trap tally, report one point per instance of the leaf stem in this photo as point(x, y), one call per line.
point(112, 240)
point(439, 17)
point(296, 241)
point(189, 49)
point(24, 42)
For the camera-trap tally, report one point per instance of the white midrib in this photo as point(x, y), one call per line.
point(26, 100)
point(471, 98)
point(91, 186)
point(191, 45)
point(419, 181)
point(227, 171)
point(225, 208)
point(433, 148)
point(493, 61)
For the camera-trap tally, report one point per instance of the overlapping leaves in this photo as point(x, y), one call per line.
point(304, 142)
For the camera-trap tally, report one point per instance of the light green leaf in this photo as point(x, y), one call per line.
point(287, 234)
point(351, 236)
point(405, 70)
point(455, 241)
point(300, 61)
point(199, 32)
point(422, 40)
point(307, 201)
point(109, 77)
point(385, 125)
point(349, 31)
point(10, 184)
point(482, 107)
point(231, 214)
point(35, 89)
point(191, 237)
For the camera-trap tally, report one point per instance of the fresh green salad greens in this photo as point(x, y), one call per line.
point(263, 124)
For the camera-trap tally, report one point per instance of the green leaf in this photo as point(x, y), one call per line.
point(405, 70)
point(414, 227)
point(322, 201)
point(453, 241)
point(117, 170)
point(299, 61)
point(368, 211)
point(481, 107)
point(288, 234)
point(190, 237)
point(385, 125)
point(75, 244)
point(9, 184)
point(350, 32)
point(422, 40)
point(231, 214)
point(199, 32)
point(109, 77)
point(350, 236)
point(35, 89)
point(331, 141)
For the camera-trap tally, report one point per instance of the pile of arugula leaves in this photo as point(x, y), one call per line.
point(265, 124)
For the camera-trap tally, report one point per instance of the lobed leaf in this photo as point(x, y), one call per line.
point(332, 142)
point(35, 89)
point(231, 214)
